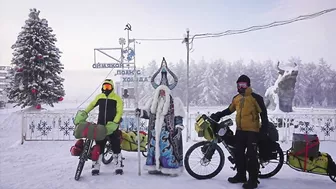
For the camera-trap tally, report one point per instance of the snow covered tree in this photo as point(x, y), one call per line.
point(145, 88)
point(196, 69)
point(209, 94)
point(180, 70)
point(270, 75)
point(35, 79)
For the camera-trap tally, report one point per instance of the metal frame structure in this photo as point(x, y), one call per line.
point(122, 42)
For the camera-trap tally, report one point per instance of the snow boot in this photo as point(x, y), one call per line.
point(96, 165)
point(237, 179)
point(154, 172)
point(118, 163)
point(96, 158)
point(251, 184)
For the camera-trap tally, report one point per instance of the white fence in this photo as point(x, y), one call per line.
point(58, 126)
point(321, 123)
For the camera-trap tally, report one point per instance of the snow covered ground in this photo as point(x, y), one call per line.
point(48, 164)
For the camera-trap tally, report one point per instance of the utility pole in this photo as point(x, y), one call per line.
point(135, 85)
point(186, 40)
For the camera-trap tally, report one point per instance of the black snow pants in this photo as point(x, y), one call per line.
point(249, 162)
point(114, 139)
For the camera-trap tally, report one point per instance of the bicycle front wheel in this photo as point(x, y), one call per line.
point(82, 158)
point(207, 159)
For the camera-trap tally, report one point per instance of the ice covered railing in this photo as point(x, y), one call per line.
point(59, 126)
point(322, 123)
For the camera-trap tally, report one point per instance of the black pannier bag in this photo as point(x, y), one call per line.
point(273, 133)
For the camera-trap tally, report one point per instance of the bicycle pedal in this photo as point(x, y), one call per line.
point(231, 159)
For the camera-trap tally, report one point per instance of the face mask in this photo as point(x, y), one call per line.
point(242, 86)
point(107, 88)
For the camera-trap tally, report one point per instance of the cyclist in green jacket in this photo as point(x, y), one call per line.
point(110, 114)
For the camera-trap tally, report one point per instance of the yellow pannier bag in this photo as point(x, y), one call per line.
point(314, 165)
point(129, 141)
point(203, 128)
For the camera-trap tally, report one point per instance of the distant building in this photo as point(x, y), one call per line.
point(4, 82)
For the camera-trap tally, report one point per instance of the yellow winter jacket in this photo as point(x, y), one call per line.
point(248, 108)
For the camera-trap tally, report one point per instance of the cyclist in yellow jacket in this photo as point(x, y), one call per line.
point(110, 114)
point(248, 106)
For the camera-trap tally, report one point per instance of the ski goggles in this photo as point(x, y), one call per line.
point(242, 85)
point(107, 87)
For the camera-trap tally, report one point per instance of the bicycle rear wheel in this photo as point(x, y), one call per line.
point(278, 164)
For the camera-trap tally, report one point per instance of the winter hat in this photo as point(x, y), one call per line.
point(244, 78)
point(107, 81)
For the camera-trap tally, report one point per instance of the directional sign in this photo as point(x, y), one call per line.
point(132, 79)
point(111, 65)
point(128, 72)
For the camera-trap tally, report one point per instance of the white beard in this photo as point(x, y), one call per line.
point(164, 105)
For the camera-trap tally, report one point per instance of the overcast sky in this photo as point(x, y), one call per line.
point(82, 25)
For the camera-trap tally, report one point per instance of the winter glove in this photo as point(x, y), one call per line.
point(111, 127)
point(178, 131)
point(181, 127)
point(80, 117)
point(215, 117)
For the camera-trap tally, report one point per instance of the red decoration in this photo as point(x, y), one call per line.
point(38, 106)
point(20, 70)
point(39, 56)
point(34, 91)
point(60, 99)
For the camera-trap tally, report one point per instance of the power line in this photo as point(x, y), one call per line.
point(273, 24)
point(229, 32)
point(99, 86)
point(249, 29)
point(162, 39)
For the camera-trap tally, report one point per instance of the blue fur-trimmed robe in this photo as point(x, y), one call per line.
point(165, 145)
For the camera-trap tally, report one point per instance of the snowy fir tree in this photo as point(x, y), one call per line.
point(270, 74)
point(209, 90)
point(310, 89)
point(35, 79)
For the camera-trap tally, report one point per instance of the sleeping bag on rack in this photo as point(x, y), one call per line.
point(90, 130)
